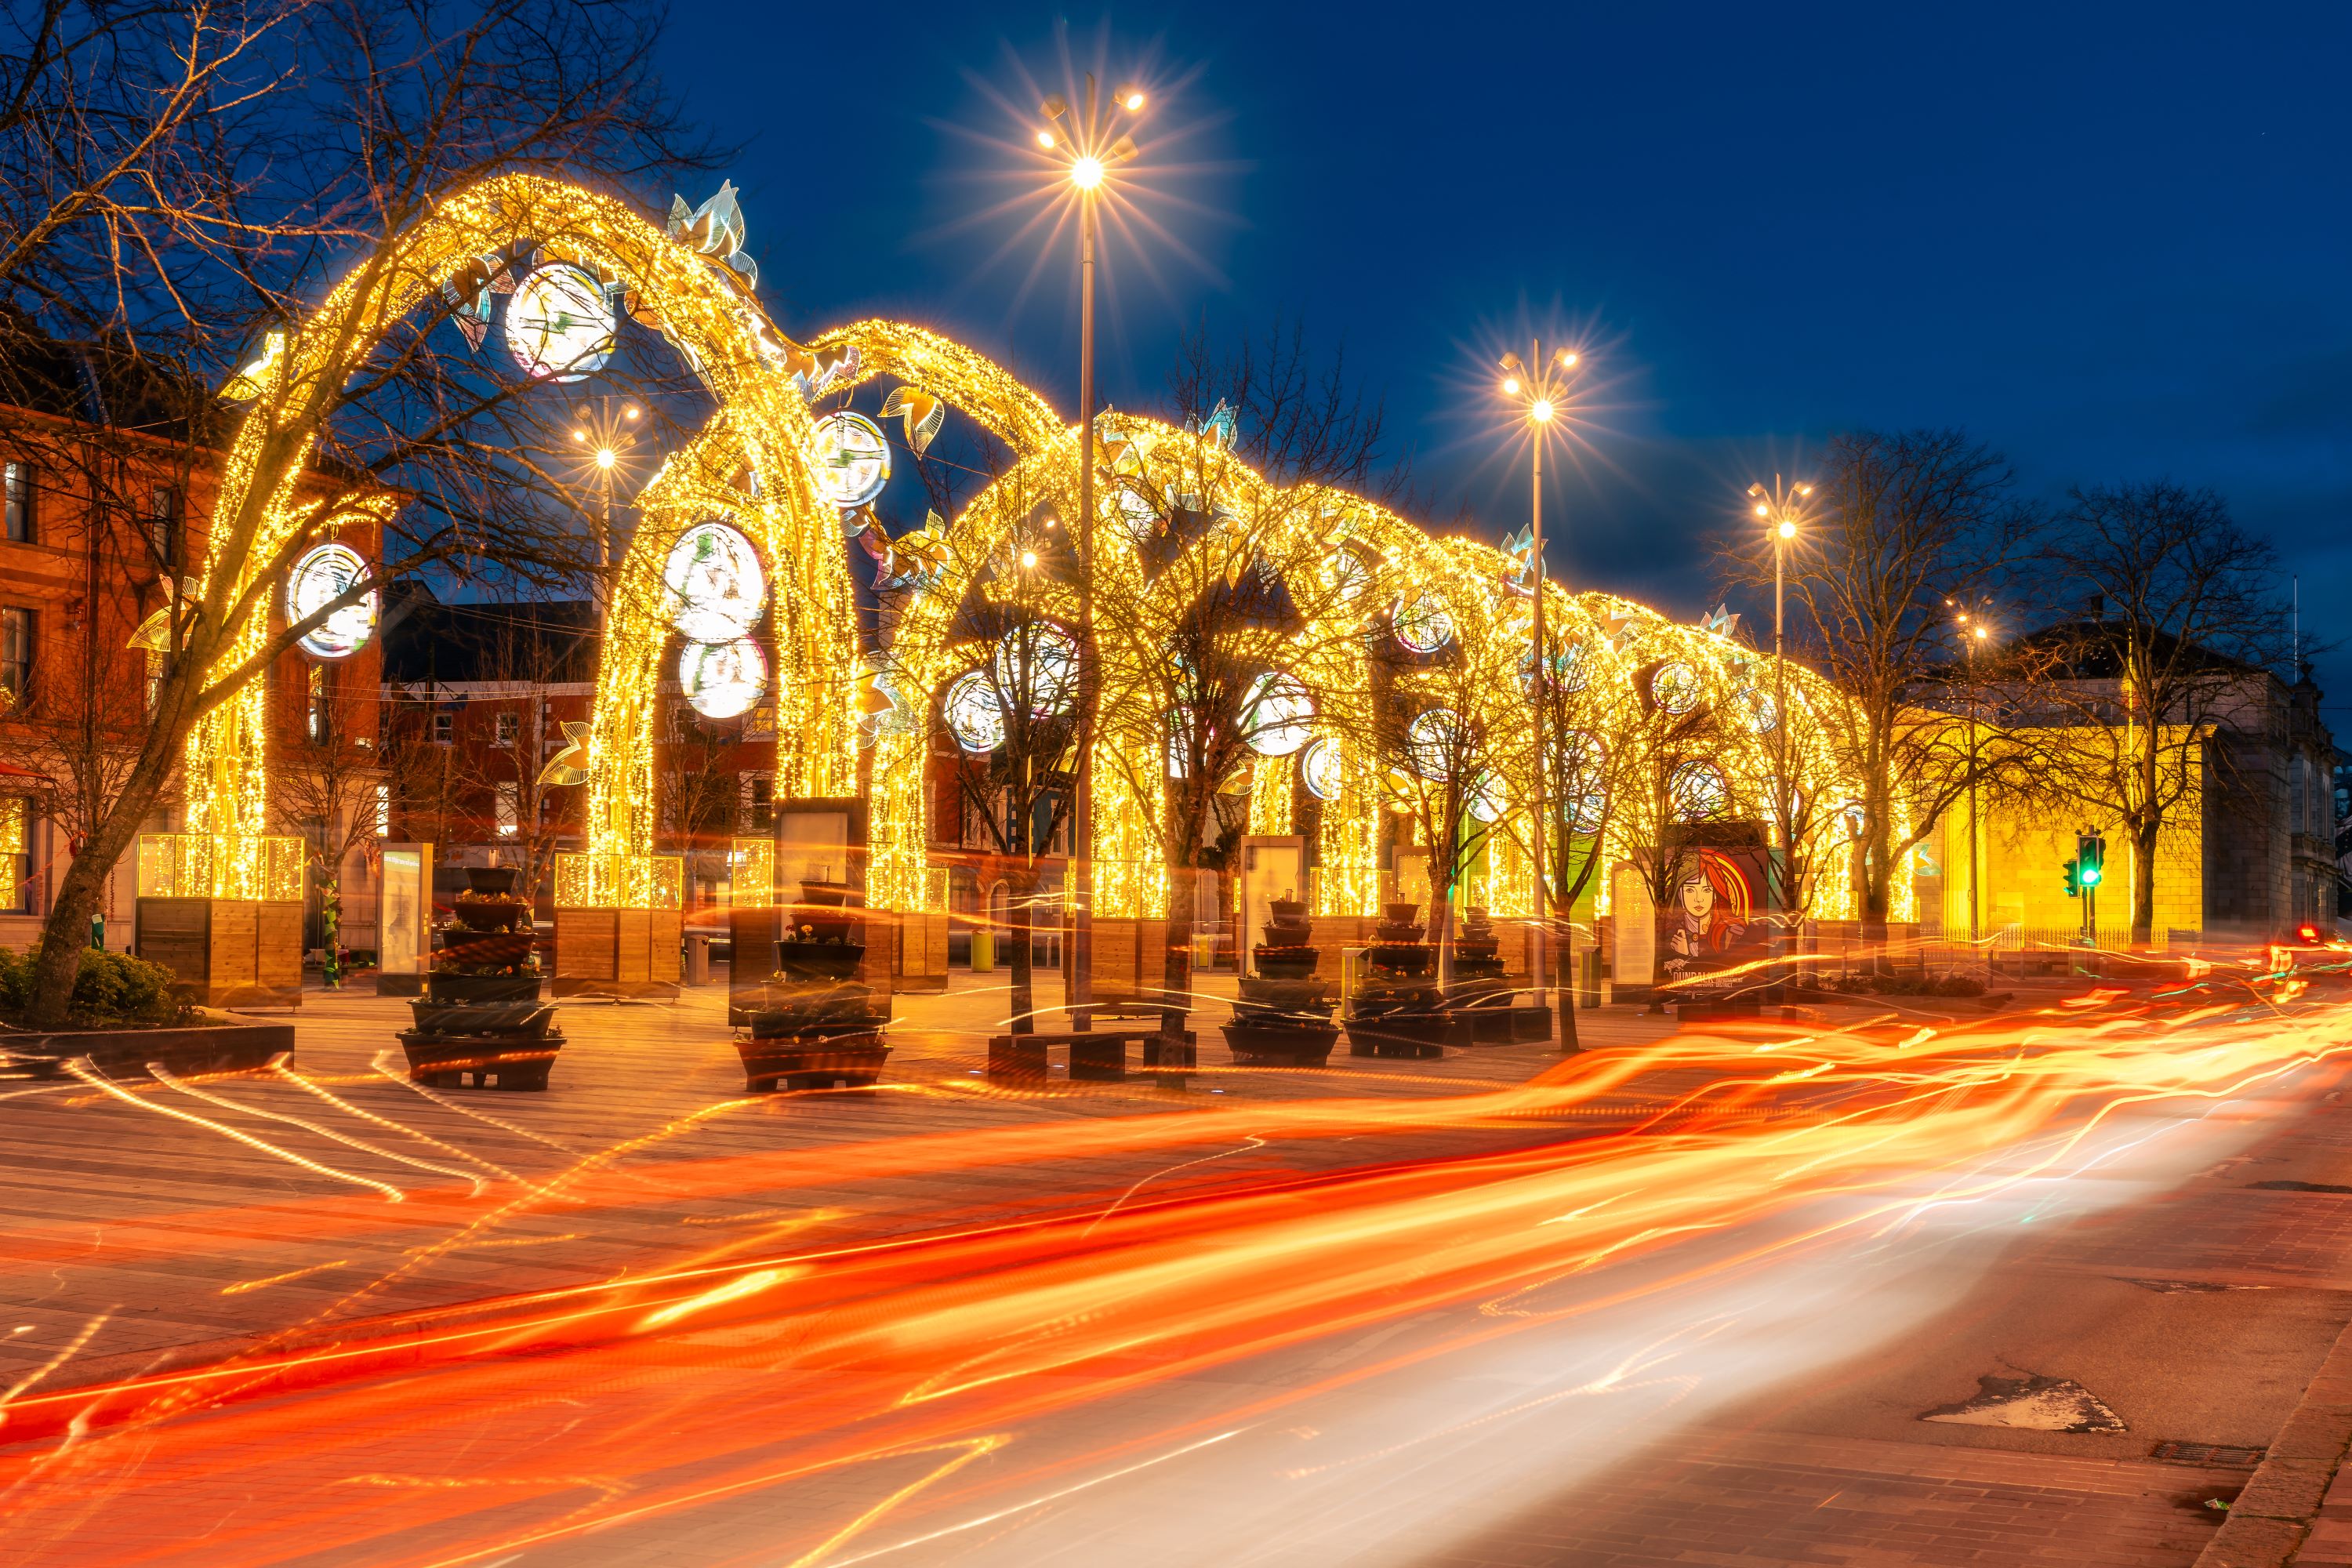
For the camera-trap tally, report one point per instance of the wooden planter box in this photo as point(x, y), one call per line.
point(617, 953)
point(198, 1048)
point(229, 953)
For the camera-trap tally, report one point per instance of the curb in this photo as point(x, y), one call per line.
point(2295, 1498)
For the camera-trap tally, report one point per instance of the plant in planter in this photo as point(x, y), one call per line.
point(480, 1018)
point(126, 1013)
point(1400, 1012)
point(820, 1024)
point(1284, 1016)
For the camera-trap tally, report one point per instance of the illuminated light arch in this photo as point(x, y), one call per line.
point(762, 426)
point(748, 467)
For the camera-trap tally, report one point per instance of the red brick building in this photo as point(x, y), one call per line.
point(105, 499)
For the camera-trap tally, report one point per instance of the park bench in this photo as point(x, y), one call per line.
point(1099, 1055)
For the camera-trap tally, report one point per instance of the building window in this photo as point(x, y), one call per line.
point(383, 811)
point(15, 658)
point(322, 694)
point(445, 726)
point(510, 730)
point(760, 795)
point(163, 525)
point(16, 484)
point(510, 799)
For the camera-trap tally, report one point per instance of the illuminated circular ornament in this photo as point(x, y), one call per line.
point(1571, 670)
point(1422, 624)
point(560, 323)
point(1276, 714)
point(1350, 574)
point(1321, 768)
point(1587, 803)
point(1675, 688)
point(722, 681)
point(851, 456)
point(1134, 513)
point(1052, 687)
point(322, 576)
point(1699, 791)
point(1487, 800)
point(1759, 709)
point(973, 714)
point(1431, 742)
point(716, 588)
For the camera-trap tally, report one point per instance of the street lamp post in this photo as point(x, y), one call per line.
point(1975, 632)
point(1781, 507)
point(1089, 143)
point(1544, 392)
point(606, 439)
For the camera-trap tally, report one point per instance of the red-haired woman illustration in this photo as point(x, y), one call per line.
point(1710, 914)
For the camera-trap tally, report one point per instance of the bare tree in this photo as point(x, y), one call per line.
point(1244, 603)
point(2183, 617)
point(1911, 522)
point(388, 109)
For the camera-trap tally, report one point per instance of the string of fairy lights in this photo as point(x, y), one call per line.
point(849, 722)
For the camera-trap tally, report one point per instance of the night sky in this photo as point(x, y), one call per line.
point(2110, 241)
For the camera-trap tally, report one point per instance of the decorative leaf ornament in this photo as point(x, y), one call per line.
point(715, 230)
point(1218, 428)
point(1521, 548)
point(1723, 620)
point(569, 766)
point(917, 559)
point(923, 413)
point(250, 382)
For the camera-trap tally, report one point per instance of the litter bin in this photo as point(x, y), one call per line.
point(984, 951)
point(698, 958)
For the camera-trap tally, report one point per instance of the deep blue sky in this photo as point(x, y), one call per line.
point(2109, 240)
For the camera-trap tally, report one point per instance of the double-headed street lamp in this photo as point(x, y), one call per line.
point(1782, 510)
point(1541, 393)
point(1088, 144)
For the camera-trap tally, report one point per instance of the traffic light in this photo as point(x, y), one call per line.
point(2074, 872)
point(2091, 856)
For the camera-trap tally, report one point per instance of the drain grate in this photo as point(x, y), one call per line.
point(2297, 1187)
point(2218, 1456)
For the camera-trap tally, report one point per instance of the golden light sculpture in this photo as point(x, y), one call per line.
point(851, 722)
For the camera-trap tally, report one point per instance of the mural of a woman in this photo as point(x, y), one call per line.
point(1710, 916)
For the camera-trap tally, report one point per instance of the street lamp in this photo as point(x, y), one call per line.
point(1091, 142)
point(1781, 508)
point(606, 434)
point(1975, 630)
point(1542, 392)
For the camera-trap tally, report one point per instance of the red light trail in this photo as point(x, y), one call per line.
point(942, 1390)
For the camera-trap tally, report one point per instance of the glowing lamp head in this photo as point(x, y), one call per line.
point(1566, 358)
point(1763, 510)
point(1982, 633)
point(1510, 387)
point(630, 412)
point(1788, 530)
point(1086, 174)
point(1134, 100)
point(1045, 140)
point(1540, 411)
point(1028, 558)
point(606, 456)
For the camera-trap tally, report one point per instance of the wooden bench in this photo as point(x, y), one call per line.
point(1099, 1055)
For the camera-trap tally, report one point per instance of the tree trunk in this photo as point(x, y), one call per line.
point(2143, 926)
point(1563, 963)
point(67, 930)
point(1016, 916)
